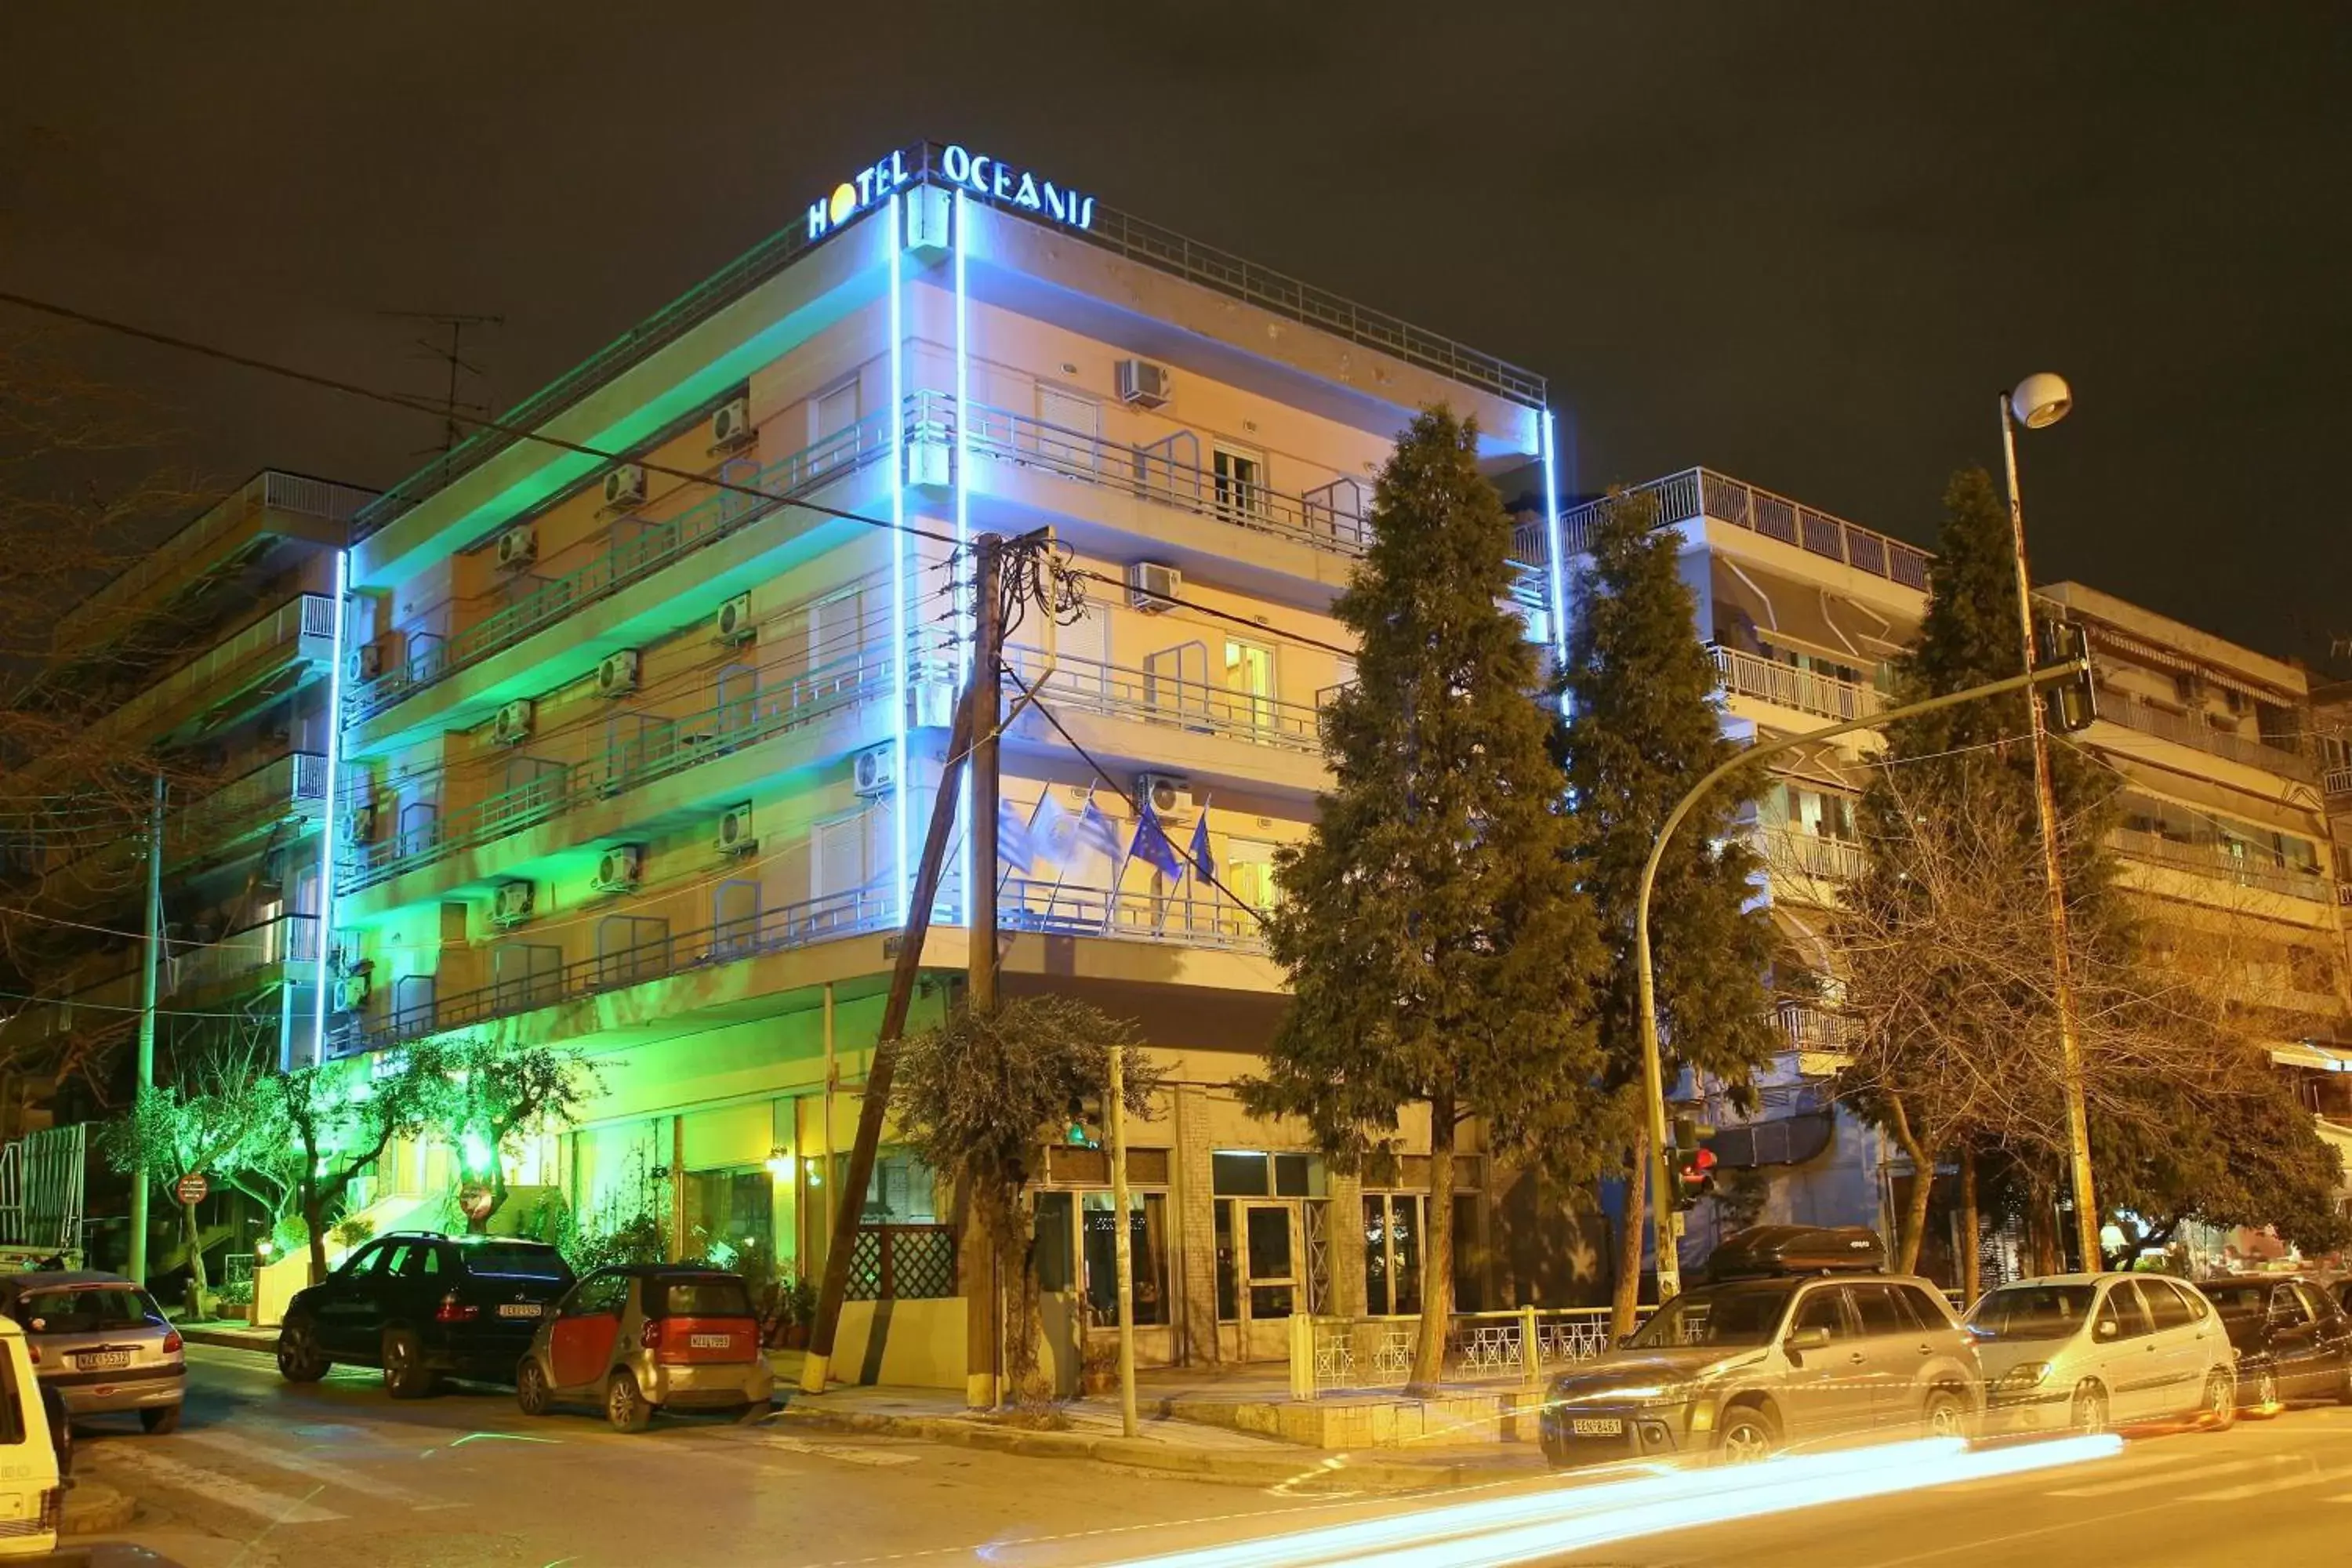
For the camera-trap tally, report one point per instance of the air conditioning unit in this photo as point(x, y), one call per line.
point(735, 620)
point(620, 868)
point(511, 905)
point(616, 673)
point(513, 725)
point(625, 485)
point(735, 831)
point(1144, 385)
point(1166, 793)
point(877, 770)
point(731, 426)
point(517, 548)
point(351, 993)
point(359, 828)
point(1152, 587)
point(363, 663)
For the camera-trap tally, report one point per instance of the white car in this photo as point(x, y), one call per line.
point(2085, 1351)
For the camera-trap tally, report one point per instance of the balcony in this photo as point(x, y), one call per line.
point(2186, 730)
point(237, 964)
point(1791, 851)
point(656, 748)
point(292, 789)
point(663, 543)
point(1168, 701)
point(2337, 782)
point(1056, 909)
point(2222, 863)
point(252, 669)
point(1701, 494)
point(1785, 686)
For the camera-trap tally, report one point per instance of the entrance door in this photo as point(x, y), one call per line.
point(1270, 1283)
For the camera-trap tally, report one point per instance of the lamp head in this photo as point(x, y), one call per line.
point(2041, 400)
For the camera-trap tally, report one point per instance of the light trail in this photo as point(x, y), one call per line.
point(1498, 1531)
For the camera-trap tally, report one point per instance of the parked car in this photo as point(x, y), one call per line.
point(2086, 1351)
point(32, 1496)
point(651, 1337)
point(101, 1344)
point(1798, 1338)
point(2294, 1342)
point(423, 1306)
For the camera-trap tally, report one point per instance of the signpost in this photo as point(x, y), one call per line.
point(193, 1189)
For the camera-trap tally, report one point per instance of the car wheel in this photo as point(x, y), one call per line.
point(161, 1420)
point(2220, 1407)
point(404, 1374)
point(1945, 1414)
point(2266, 1393)
point(531, 1392)
point(1745, 1435)
point(299, 1359)
point(624, 1406)
point(2089, 1410)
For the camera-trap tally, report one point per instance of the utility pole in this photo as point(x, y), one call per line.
point(1661, 1227)
point(1115, 1113)
point(142, 1178)
point(980, 1337)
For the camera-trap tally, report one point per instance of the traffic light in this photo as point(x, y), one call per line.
point(1086, 1120)
point(1693, 1163)
point(2068, 706)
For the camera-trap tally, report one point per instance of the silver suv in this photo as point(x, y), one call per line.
point(1744, 1367)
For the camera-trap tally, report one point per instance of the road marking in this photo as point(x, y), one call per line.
point(344, 1474)
point(212, 1486)
point(2283, 1483)
point(2171, 1475)
point(845, 1451)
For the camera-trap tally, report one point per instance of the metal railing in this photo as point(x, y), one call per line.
point(1181, 918)
point(660, 747)
point(247, 652)
point(1089, 686)
point(1786, 851)
point(2337, 781)
point(2187, 729)
point(269, 491)
point(242, 955)
point(41, 1177)
point(1377, 1351)
point(771, 930)
point(660, 544)
point(1770, 681)
point(1812, 1028)
point(262, 798)
point(1696, 493)
point(2221, 862)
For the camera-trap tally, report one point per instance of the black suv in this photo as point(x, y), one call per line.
point(421, 1306)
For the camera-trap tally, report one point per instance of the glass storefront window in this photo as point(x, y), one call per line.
point(1393, 1253)
point(1228, 1293)
point(1054, 1261)
point(1147, 1239)
point(902, 1190)
point(1239, 1174)
point(730, 1215)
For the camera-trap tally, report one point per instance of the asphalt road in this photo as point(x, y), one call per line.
point(265, 1474)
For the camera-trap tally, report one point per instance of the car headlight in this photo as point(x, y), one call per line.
point(2025, 1374)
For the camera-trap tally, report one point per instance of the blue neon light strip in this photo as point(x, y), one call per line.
point(968, 625)
point(1554, 551)
point(324, 977)
point(902, 628)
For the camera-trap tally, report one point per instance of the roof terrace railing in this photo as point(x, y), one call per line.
point(2186, 730)
point(1786, 685)
point(1701, 493)
point(2224, 863)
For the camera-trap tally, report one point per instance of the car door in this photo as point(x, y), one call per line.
point(587, 1326)
point(2128, 1360)
point(1895, 1350)
point(345, 1312)
point(2295, 1351)
point(2182, 1353)
point(1826, 1389)
point(2331, 1371)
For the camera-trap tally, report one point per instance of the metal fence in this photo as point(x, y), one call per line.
point(1205, 918)
point(1786, 685)
point(1170, 699)
point(2218, 860)
point(902, 1262)
point(2187, 729)
point(1377, 1351)
point(41, 1189)
point(1696, 493)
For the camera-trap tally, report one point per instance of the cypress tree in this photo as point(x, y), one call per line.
point(1438, 952)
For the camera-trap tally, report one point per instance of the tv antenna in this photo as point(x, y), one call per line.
point(454, 323)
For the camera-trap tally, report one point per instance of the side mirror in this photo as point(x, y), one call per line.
point(1802, 1340)
point(2108, 1329)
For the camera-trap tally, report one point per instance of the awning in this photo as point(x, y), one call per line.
point(1784, 1140)
point(1799, 616)
point(2304, 1054)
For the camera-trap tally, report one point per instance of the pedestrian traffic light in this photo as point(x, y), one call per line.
point(1693, 1163)
point(2068, 706)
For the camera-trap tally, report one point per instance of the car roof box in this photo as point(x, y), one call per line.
point(1764, 1249)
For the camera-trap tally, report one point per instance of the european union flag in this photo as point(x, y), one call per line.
point(1205, 864)
point(1152, 844)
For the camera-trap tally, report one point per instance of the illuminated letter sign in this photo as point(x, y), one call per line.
point(1016, 187)
point(855, 195)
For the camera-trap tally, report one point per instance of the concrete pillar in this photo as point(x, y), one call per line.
point(1346, 1235)
point(1196, 1229)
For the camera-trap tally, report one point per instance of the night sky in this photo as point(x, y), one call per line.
point(1804, 244)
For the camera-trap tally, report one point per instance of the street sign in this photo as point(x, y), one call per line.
point(193, 1189)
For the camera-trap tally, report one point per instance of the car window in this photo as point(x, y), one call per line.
point(1821, 1310)
point(1882, 1311)
point(367, 1259)
point(719, 1296)
point(2031, 1311)
point(1930, 1309)
point(2121, 1305)
point(2315, 1302)
point(1748, 1313)
point(2287, 1308)
point(2235, 1299)
point(86, 1311)
point(516, 1260)
point(598, 1294)
point(2164, 1304)
point(410, 1260)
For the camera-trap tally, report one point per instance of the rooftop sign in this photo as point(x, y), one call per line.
point(1008, 184)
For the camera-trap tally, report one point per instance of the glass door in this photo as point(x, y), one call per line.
point(1269, 1277)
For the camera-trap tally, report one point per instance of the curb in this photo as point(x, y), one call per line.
point(228, 1340)
point(93, 1508)
point(1309, 1470)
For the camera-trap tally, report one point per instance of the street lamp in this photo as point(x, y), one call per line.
point(2038, 401)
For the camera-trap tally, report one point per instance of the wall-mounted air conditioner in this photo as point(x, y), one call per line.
point(735, 623)
point(351, 993)
point(616, 673)
point(512, 726)
point(625, 485)
point(735, 835)
point(510, 906)
point(359, 824)
point(875, 770)
point(1152, 587)
point(1142, 383)
point(517, 548)
point(1166, 793)
point(620, 868)
point(363, 663)
point(731, 426)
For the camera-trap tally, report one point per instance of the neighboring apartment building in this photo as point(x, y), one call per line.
point(640, 764)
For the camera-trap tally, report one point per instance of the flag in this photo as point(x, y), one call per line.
point(1013, 837)
point(1053, 831)
point(1096, 831)
point(1205, 864)
point(1152, 844)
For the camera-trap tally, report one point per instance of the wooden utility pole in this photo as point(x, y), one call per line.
point(151, 963)
point(980, 1287)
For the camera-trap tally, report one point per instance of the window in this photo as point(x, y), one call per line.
point(1239, 477)
point(1393, 1253)
point(2165, 1307)
point(1148, 1256)
point(367, 1259)
point(631, 948)
point(1239, 1175)
point(599, 1294)
point(833, 412)
point(514, 1260)
point(1822, 1310)
point(2122, 1309)
point(1249, 676)
point(86, 1311)
point(2031, 1311)
point(1880, 1309)
point(1070, 433)
point(2287, 1306)
point(903, 1190)
point(719, 1296)
point(1228, 1295)
point(729, 1212)
point(735, 918)
point(2316, 1304)
point(1248, 870)
point(1930, 1309)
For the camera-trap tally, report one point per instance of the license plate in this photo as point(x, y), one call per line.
point(1597, 1426)
point(103, 1361)
point(709, 1341)
point(519, 1309)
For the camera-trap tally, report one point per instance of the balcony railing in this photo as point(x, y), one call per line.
point(1057, 909)
point(1786, 685)
point(254, 649)
point(658, 748)
point(2338, 780)
point(269, 794)
point(1702, 493)
point(660, 544)
point(1786, 851)
point(243, 956)
point(2224, 863)
point(2186, 730)
point(772, 931)
point(1811, 1028)
point(1169, 700)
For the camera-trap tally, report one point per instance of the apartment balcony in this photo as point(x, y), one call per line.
point(1785, 686)
point(1703, 495)
point(1791, 852)
point(1169, 719)
point(1057, 909)
point(2187, 729)
point(2337, 782)
point(2221, 863)
point(664, 543)
point(239, 964)
point(279, 653)
point(292, 790)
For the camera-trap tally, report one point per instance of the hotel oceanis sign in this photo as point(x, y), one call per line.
point(1009, 184)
